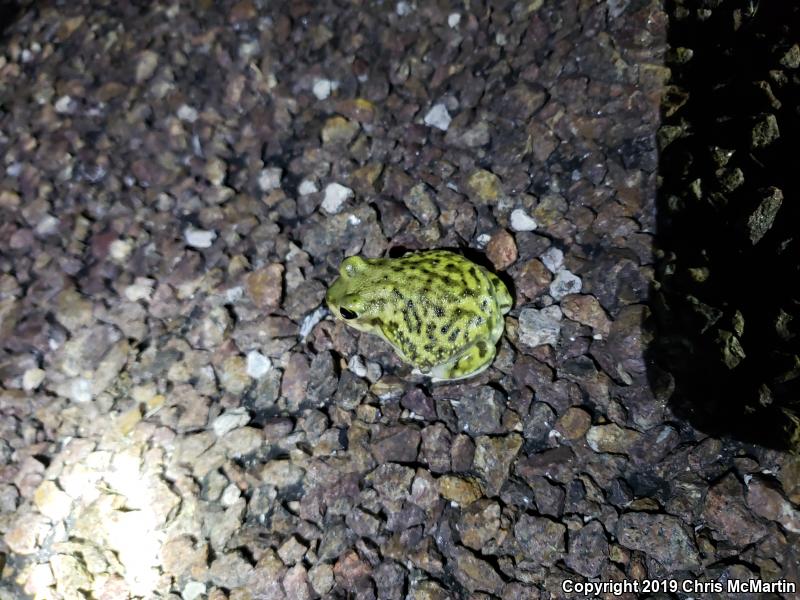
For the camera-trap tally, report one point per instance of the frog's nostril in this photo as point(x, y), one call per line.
point(347, 314)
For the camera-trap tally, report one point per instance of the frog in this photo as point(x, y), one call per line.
point(442, 313)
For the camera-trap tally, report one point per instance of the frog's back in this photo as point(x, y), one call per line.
point(442, 304)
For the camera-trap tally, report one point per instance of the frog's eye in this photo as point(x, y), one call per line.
point(347, 314)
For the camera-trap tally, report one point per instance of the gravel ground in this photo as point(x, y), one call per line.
point(181, 418)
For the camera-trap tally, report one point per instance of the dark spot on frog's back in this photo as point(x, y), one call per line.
point(454, 335)
point(438, 312)
point(482, 348)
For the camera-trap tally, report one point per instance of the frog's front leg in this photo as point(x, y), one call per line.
point(471, 361)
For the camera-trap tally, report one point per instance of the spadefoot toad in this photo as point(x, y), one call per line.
point(441, 312)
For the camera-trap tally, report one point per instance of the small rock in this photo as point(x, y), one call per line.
point(65, 105)
point(193, 590)
point(502, 250)
point(281, 473)
point(146, 65)
point(476, 574)
point(438, 117)
point(553, 259)
point(540, 327)
point(493, 458)
point(292, 551)
point(766, 501)
point(453, 19)
point(532, 279)
point(51, 501)
point(322, 88)
point(258, 365)
point(791, 59)
point(586, 309)
point(392, 481)
point(265, 286)
point(565, 283)
point(484, 187)
point(307, 187)
point(187, 113)
point(541, 538)
point(764, 132)
point(521, 221)
point(233, 376)
point(574, 423)
point(335, 196)
point(588, 550)
point(463, 490)
point(140, 289)
point(199, 238)
point(230, 420)
point(270, 179)
point(762, 218)
point(790, 478)
point(230, 570)
point(611, 438)
point(295, 583)
point(479, 523)
point(321, 578)
point(663, 537)
point(396, 444)
point(32, 379)
point(726, 512)
point(338, 130)
point(419, 202)
point(479, 412)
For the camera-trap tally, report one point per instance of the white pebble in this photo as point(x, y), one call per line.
point(120, 250)
point(322, 88)
point(230, 420)
point(230, 495)
point(521, 221)
point(307, 187)
point(553, 259)
point(199, 238)
point(47, 226)
point(483, 239)
point(32, 379)
point(438, 117)
point(335, 195)
point(310, 321)
point(258, 365)
point(193, 590)
point(187, 113)
point(234, 294)
point(565, 282)
point(403, 8)
point(357, 366)
point(64, 105)
point(140, 289)
point(453, 20)
point(269, 179)
point(80, 390)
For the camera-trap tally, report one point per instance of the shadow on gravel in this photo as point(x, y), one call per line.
point(10, 11)
point(725, 299)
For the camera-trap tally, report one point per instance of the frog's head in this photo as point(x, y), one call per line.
point(350, 297)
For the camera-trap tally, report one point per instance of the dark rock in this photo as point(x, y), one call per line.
point(663, 537)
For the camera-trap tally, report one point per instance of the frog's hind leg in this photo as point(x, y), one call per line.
point(472, 361)
point(503, 298)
